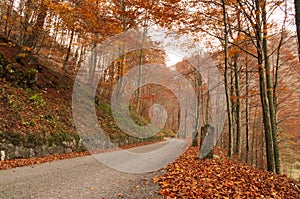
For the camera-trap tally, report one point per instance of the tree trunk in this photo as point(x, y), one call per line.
point(197, 85)
point(238, 109)
point(270, 93)
point(69, 50)
point(139, 89)
point(93, 64)
point(38, 27)
point(233, 108)
point(185, 119)
point(247, 111)
point(297, 19)
point(228, 102)
point(263, 90)
point(253, 140)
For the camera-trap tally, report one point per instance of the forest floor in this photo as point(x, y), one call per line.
point(191, 177)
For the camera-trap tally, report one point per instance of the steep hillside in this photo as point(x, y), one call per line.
point(36, 111)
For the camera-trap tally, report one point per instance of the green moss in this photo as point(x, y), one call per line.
point(102, 105)
point(37, 99)
point(166, 132)
point(35, 139)
point(12, 137)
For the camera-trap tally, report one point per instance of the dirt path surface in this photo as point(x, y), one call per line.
point(85, 177)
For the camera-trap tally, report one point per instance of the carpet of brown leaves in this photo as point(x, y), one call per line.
point(190, 177)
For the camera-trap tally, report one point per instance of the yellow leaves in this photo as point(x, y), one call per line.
point(164, 184)
point(22, 55)
point(10, 44)
point(155, 179)
point(66, 6)
point(26, 48)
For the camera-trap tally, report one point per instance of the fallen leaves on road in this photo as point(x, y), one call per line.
point(190, 177)
point(7, 164)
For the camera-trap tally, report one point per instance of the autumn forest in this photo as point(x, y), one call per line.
point(230, 69)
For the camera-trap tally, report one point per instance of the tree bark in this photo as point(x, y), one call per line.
point(270, 91)
point(297, 19)
point(247, 111)
point(238, 109)
point(263, 88)
point(197, 85)
point(228, 102)
point(38, 27)
point(69, 50)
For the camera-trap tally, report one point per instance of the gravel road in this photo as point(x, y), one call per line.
point(85, 177)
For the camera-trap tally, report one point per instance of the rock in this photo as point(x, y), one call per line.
point(23, 152)
point(17, 153)
point(41, 151)
point(31, 153)
point(2, 155)
point(66, 144)
point(10, 146)
point(56, 150)
point(68, 150)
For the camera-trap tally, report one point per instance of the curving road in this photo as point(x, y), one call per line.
point(85, 177)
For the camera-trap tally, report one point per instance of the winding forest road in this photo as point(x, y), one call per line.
point(85, 177)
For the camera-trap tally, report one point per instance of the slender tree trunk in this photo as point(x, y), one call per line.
point(197, 85)
point(262, 162)
point(26, 23)
point(247, 111)
point(297, 19)
point(253, 142)
point(120, 70)
point(139, 89)
point(69, 50)
point(228, 101)
point(207, 113)
point(233, 109)
point(270, 92)
point(263, 90)
point(238, 109)
point(93, 65)
point(276, 71)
